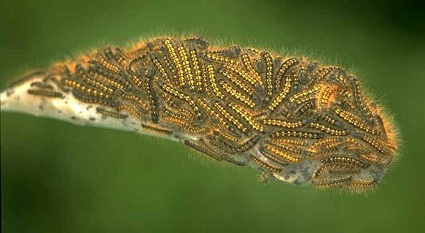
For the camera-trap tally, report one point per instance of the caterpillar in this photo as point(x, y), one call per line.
point(291, 118)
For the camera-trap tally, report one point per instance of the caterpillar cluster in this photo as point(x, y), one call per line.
point(291, 118)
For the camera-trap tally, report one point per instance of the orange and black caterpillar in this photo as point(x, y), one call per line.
point(294, 119)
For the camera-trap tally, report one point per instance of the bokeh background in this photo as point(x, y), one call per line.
point(58, 177)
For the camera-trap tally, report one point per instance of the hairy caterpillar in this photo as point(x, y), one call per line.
point(291, 118)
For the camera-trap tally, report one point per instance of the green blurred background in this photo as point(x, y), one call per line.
point(58, 177)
